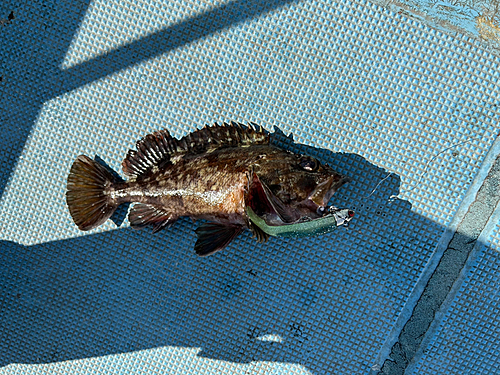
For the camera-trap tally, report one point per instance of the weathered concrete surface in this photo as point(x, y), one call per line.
point(479, 19)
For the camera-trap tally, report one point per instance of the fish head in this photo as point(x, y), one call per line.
point(298, 189)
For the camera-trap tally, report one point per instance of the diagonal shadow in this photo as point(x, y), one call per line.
point(166, 40)
point(126, 290)
point(34, 44)
point(32, 47)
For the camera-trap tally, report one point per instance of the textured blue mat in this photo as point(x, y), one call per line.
point(362, 88)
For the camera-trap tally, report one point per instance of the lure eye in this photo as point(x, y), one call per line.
point(309, 164)
point(321, 210)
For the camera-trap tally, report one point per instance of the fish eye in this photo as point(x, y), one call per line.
point(309, 164)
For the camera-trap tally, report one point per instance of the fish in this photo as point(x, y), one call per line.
point(218, 174)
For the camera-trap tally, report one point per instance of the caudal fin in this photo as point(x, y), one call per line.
point(87, 194)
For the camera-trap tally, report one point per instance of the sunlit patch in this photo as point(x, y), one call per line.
point(108, 25)
point(270, 338)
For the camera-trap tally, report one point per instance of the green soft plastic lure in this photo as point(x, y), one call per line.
point(325, 224)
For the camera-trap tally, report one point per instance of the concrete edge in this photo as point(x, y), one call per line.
point(430, 268)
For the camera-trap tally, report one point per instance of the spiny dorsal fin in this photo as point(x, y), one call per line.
point(156, 150)
point(153, 150)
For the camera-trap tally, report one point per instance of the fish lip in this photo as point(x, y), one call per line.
point(324, 191)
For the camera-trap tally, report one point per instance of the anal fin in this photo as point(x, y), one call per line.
point(213, 237)
point(142, 215)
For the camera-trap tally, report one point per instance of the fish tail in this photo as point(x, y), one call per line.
point(88, 193)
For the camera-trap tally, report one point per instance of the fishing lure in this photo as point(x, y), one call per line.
point(335, 218)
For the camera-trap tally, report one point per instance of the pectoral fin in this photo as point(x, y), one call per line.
point(213, 237)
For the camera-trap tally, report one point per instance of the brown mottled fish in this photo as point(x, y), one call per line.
point(214, 174)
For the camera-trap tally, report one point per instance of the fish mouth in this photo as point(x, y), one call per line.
point(324, 191)
point(313, 207)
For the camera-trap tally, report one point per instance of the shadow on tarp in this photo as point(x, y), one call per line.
point(125, 290)
point(34, 43)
